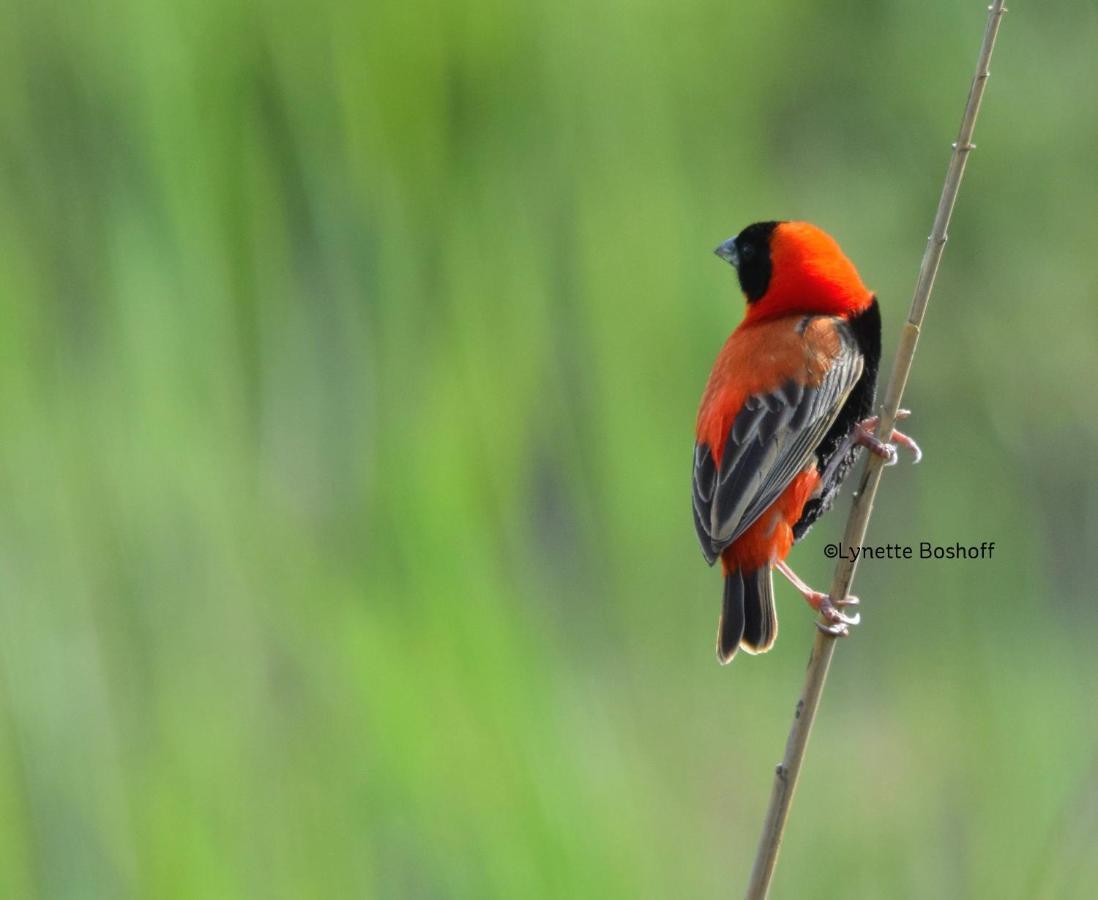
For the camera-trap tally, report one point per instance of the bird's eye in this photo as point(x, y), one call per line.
point(746, 251)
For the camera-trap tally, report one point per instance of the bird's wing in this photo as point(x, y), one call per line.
point(771, 439)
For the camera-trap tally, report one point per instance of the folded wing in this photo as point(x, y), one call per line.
point(772, 438)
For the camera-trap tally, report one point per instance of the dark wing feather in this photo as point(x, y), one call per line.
point(772, 438)
point(705, 483)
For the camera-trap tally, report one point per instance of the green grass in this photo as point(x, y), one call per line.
point(349, 357)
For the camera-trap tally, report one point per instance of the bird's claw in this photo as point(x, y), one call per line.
point(905, 440)
point(835, 621)
point(887, 451)
point(832, 619)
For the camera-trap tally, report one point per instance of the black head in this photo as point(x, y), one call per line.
point(749, 254)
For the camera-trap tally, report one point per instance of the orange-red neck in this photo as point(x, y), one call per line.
point(808, 299)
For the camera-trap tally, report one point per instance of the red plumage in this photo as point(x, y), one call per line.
point(773, 431)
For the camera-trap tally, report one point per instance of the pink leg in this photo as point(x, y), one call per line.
point(831, 610)
point(863, 434)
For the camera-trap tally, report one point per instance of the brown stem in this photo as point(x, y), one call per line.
point(785, 779)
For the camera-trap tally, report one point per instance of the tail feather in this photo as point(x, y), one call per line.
point(760, 628)
point(730, 628)
point(748, 617)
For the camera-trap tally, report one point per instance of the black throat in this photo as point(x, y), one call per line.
point(754, 269)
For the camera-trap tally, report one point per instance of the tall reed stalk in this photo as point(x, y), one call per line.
point(788, 771)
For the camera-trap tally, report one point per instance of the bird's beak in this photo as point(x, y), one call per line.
point(727, 251)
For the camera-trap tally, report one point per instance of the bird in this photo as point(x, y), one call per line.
point(784, 414)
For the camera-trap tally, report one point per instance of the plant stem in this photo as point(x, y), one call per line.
point(785, 778)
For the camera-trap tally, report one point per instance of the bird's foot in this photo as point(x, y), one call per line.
point(835, 621)
point(886, 450)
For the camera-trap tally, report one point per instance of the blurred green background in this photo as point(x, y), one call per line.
point(349, 357)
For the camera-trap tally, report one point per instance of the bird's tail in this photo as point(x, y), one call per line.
point(748, 617)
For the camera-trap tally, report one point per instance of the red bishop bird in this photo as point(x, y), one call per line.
point(783, 417)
